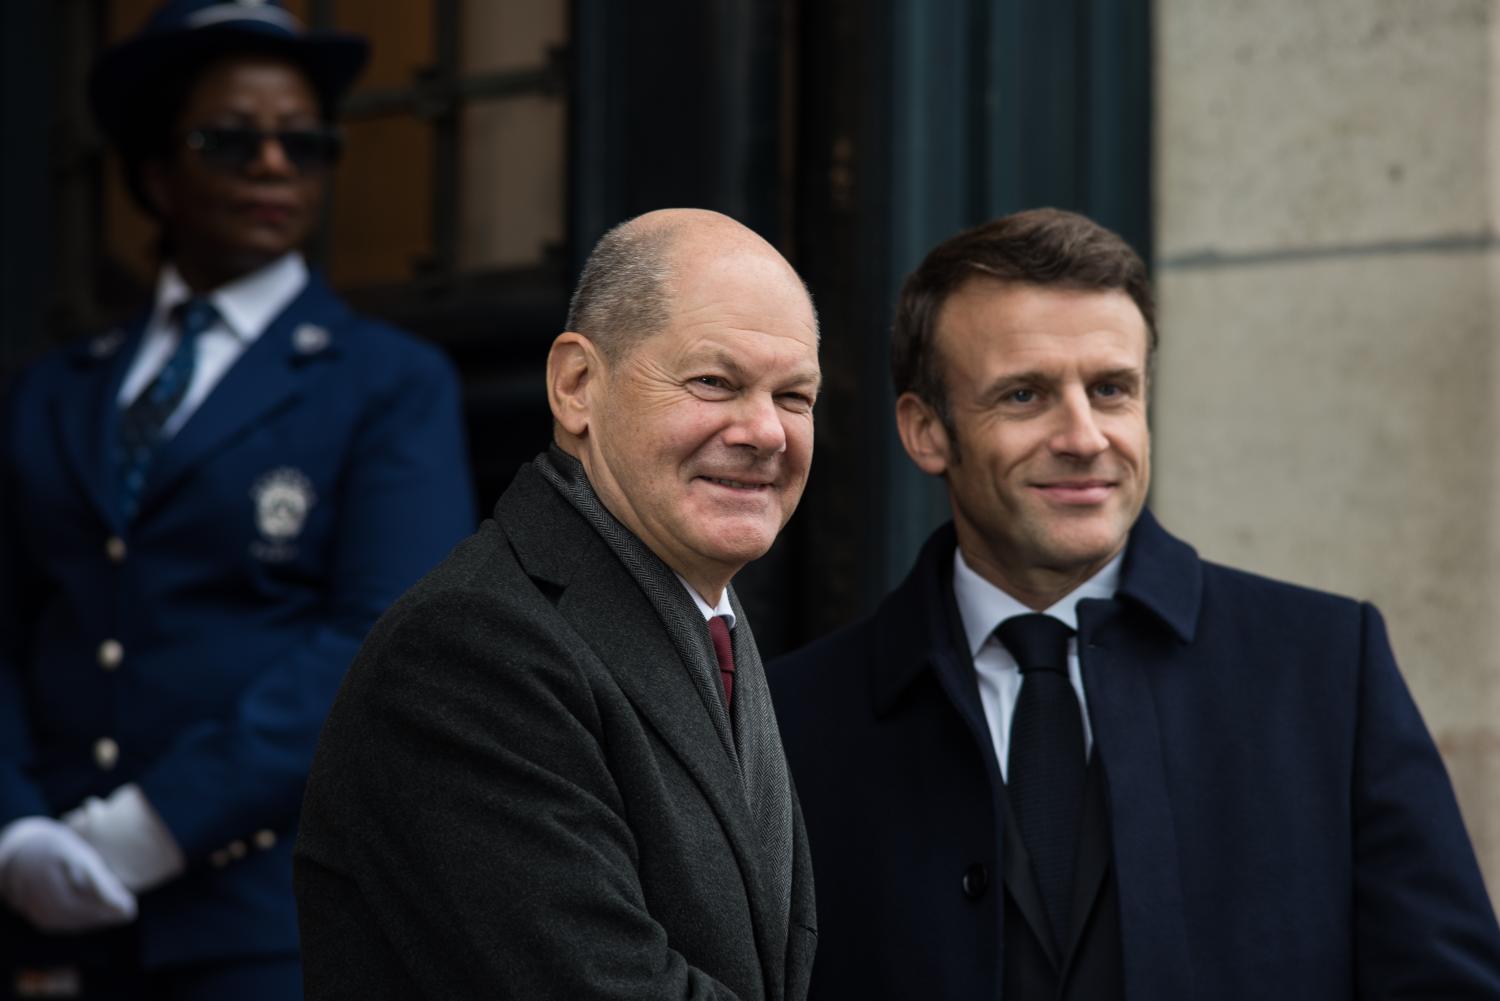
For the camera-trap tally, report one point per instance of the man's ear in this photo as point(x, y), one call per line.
point(574, 368)
point(923, 434)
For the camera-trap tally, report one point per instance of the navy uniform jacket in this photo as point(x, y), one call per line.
point(196, 650)
point(1281, 824)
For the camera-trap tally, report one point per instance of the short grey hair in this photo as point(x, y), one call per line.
point(624, 293)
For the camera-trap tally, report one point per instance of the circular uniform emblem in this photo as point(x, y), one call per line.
point(283, 497)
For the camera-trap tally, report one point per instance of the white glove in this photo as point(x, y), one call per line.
point(56, 881)
point(130, 836)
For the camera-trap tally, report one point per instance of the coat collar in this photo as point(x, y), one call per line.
point(908, 645)
point(1162, 575)
point(112, 350)
point(264, 379)
point(568, 560)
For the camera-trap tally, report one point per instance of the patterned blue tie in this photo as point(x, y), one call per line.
point(141, 423)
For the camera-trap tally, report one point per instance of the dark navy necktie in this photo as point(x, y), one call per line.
point(1045, 771)
point(142, 421)
point(718, 631)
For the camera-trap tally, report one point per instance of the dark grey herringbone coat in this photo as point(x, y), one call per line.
point(520, 794)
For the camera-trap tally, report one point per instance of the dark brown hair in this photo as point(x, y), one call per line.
point(1043, 247)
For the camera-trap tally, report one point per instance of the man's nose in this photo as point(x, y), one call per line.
point(1078, 432)
point(757, 423)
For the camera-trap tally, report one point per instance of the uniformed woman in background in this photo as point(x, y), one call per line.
point(201, 513)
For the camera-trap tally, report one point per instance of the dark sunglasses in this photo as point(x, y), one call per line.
point(233, 148)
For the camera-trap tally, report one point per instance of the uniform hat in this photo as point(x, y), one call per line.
point(184, 34)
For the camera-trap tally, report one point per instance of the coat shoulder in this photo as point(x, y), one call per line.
point(1255, 597)
point(479, 588)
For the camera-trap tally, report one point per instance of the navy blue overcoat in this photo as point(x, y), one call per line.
point(1281, 824)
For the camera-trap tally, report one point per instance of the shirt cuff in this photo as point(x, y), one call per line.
point(134, 841)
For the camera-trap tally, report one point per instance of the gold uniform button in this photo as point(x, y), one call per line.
point(106, 753)
point(114, 548)
point(111, 653)
point(264, 840)
point(218, 859)
point(237, 849)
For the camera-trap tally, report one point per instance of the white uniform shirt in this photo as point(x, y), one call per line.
point(246, 308)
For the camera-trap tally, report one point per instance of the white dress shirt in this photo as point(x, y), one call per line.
point(709, 611)
point(982, 606)
point(246, 308)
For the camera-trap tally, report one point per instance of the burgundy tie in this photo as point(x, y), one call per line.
point(724, 650)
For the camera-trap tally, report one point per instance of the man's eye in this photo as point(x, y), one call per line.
point(1021, 395)
point(711, 381)
point(797, 402)
point(1110, 390)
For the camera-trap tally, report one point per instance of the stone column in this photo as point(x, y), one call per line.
point(1325, 407)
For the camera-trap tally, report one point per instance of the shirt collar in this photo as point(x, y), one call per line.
point(246, 305)
point(709, 611)
point(982, 606)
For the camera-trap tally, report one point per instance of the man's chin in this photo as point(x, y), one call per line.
point(1076, 551)
point(736, 545)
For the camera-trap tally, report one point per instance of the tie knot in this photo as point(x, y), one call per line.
point(1038, 642)
point(194, 316)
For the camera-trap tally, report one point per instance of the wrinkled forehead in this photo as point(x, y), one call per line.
point(743, 282)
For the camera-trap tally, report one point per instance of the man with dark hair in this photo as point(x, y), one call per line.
point(1067, 758)
point(554, 770)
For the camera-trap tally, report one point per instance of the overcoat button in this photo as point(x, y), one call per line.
point(114, 549)
point(264, 840)
point(111, 653)
point(218, 859)
point(237, 849)
point(976, 881)
point(106, 753)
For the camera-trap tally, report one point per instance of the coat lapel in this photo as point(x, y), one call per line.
point(267, 378)
point(936, 644)
point(610, 612)
point(1126, 644)
point(802, 930)
point(86, 433)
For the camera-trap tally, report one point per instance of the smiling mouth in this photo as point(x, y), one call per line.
point(1078, 492)
point(740, 485)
